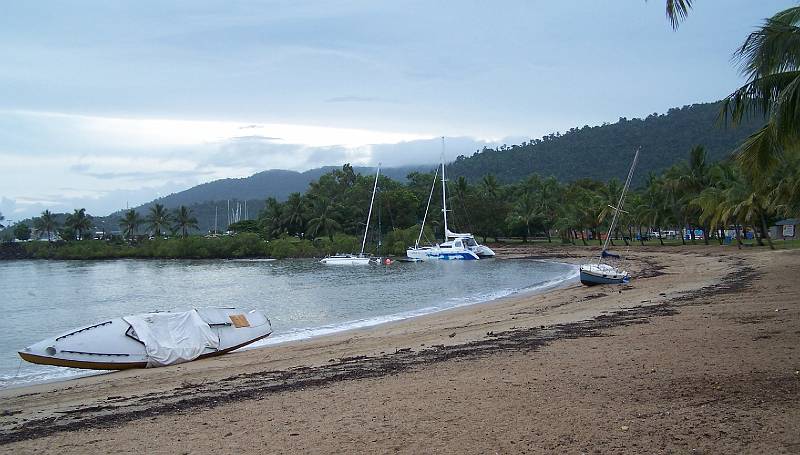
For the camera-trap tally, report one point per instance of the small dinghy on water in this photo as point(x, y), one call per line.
point(152, 339)
point(600, 273)
point(349, 259)
point(360, 258)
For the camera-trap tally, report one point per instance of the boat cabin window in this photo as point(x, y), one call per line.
point(445, 246)
point(470, 242)
point(457, 244)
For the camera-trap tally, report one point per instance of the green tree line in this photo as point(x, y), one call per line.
point(693, 194)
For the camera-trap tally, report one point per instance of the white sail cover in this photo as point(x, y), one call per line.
point(171, 338)
point(450, 234)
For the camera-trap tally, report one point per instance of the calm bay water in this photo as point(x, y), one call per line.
point(302, 297)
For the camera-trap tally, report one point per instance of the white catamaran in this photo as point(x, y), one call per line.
point(457, 246)
point(360, 258)
point(600, 273)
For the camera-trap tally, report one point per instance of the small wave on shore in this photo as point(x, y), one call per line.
point(306, 333)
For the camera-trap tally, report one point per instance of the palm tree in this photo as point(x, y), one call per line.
point(610, 196)
point(695, 179)
point(526, 211)
point(324, 221)
point(549, 192)
point(490, 185)
point(493, 204)
point(158, 219)
point(79, 222)
point(129, 223)
point(271, 218)
point(770, 59)
point(752, 208)
point(47, 223)
point(462, 190)
point(711, 202)
point(785, 194)
point(719, 199)
point(676, 199)
point(654, 209)
point(294, 214)
point(184, 220)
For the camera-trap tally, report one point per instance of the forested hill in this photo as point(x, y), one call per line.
point(218, 200)
point(275, 183)
point(599, 152)
point(604, 152)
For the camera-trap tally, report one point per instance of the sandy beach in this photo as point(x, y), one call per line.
point(698, 354)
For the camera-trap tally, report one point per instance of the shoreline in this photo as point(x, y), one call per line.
point(342, 328)
point(516, 323)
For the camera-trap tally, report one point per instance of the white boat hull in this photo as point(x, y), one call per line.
point(483, 251)
point(593, 274)
point(346, 260)
point(112, 345)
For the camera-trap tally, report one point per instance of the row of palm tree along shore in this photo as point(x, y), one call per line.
point(78, 224)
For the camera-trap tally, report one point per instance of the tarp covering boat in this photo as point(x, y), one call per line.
point(171, 338)
point(152, 339)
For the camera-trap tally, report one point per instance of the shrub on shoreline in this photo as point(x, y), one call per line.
point(244, 245)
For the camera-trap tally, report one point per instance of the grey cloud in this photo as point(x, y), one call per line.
point(250, 151)
point(141, 175)
point(425, 150)
point(325, 156)
point(85, 169)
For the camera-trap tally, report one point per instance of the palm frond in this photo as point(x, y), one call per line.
point(787, 112)
point(770, 59)
point(677, 11)
point(774, 47)
point(760, 152)
point(758, 97)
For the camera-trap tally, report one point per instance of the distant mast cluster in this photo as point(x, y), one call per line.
point(238, 212)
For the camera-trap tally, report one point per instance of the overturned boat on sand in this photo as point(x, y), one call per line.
point(152, 339)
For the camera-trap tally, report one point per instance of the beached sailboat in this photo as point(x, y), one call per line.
point(599, 272)
point(457, 246)
point(360, 258)
point(152, 339)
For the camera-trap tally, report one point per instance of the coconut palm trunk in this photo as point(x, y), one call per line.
point(765, 231)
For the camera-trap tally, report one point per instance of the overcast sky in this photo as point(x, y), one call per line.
point(112, 103)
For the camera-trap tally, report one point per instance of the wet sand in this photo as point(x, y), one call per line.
point(699, 352)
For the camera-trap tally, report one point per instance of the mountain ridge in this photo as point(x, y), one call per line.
point(603, 152)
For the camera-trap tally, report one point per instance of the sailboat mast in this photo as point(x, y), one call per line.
point(444, 194)
point(427, 207)
point(621, 200)
point(369, 215)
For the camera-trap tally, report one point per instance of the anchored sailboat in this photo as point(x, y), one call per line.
point(457, 246)
point(360, 259)
point(600, 273)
